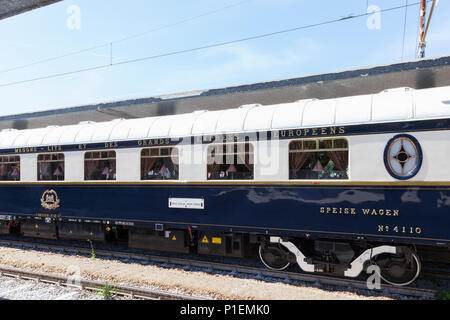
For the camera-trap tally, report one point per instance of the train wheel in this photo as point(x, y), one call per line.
point(399, 270)
point(274, 257)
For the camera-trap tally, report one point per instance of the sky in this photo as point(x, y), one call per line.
point(174, 25)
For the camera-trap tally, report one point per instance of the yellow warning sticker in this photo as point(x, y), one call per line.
point(216, 240)
point(205, 240)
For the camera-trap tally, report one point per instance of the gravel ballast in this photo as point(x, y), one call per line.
point(193, 282)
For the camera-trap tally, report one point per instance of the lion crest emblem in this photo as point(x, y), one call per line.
point(50, 200)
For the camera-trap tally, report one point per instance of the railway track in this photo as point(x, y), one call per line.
point(92, 285)
point(208, 266)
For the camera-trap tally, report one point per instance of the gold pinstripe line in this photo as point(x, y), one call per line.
point(240, 183)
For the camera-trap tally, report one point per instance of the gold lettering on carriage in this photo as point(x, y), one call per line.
point(111, 145)
point(153, 142)
point(25, 150)
point(325, 131)
point(364, 211)
point(54, 148)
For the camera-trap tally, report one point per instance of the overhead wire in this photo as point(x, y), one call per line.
point(404, 30)
point(260, 36)
point(110, 43)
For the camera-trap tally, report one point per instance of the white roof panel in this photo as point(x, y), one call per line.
point(85, 135)
point(7, 138)
point(432, 103)
point(392, 105)
point(350, 110)
point(52, 136)
point(232, 120)
point(289, 115)
point(182, 124)
point(161, 127)
point(259, 118)
point(68, 136)
point(319, 113)
point(36, 138)
point(22, 139)
point(139, 128)
point(206, 123)
point(103, 131)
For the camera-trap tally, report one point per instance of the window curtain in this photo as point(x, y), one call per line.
point(3, 170)
point(147, 164)
point(112, 165)
point(245, 160)
point(91, 166)
point(297, 160)
point(214, 167)
point(45, 171)
point(340, 159)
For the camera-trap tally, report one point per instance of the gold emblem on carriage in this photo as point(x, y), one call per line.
point(50, 200)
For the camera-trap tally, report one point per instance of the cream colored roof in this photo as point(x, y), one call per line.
point(393, 105)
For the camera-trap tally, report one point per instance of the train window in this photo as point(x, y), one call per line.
point(9, 168)
point(159, 164)
point(232, 161)
point(403, 157)
point(100, 165)
point(50, 167)
point(318, 159)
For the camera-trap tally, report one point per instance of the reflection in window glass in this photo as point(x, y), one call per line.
point(318, 159)
point(9, 168)
point(50, 167)
point(100, 165)
point(231, 161)
point(159, 164)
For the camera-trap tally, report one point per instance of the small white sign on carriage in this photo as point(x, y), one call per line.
point(187, 203)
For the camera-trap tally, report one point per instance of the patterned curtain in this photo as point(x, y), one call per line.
point(112, 165)
point(340, 159)
point(297, 160)
point(245, 160)
point(147, 165)
point(45, 171)
point(91, 166)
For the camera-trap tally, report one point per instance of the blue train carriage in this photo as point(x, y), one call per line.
point(332, 185)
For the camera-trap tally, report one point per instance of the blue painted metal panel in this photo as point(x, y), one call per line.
point(411, 213)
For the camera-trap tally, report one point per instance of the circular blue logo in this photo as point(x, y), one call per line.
point(403, 157)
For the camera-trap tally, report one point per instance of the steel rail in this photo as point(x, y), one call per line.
point(93, 285)
point(232, 269)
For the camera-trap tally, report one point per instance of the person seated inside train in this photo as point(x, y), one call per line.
point(108, 173)
point(162, 169)
point(229, 171)
point(15, 174)
point(9, 172)
point(58, 173)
